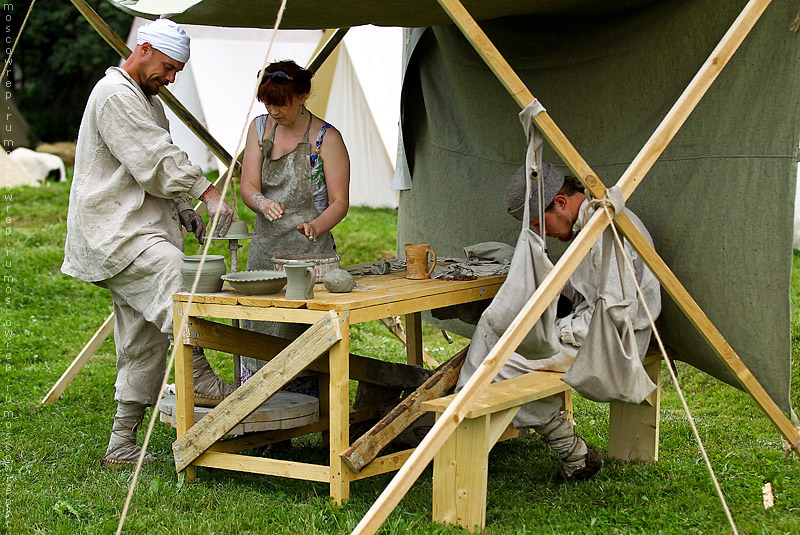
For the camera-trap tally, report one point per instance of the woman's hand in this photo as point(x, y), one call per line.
point(272, 210)
point(308, 230)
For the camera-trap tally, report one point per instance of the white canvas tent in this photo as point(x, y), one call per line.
point(357, 90)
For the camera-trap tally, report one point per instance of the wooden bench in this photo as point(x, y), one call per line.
point(461, 466)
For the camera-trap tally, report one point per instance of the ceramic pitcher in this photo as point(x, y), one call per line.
point(300, 279)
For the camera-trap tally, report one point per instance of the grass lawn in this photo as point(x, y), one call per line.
point(53, 481)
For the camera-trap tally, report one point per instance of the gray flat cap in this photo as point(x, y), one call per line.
point(515, 191)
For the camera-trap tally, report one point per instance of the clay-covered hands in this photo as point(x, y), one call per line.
point(308, 230)
point(192, 222)
point(215, 204)
point(272, 210)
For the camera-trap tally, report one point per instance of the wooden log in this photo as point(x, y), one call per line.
point(364, 450)
point(245, 399)
point(80, 361)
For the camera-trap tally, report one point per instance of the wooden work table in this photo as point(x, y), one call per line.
point(330, 314)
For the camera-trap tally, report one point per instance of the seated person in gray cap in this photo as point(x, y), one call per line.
point(128, 200)
point(567, 211)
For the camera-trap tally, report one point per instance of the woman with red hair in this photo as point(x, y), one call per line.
point(295, 177)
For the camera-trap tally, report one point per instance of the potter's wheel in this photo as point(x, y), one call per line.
point(284, 410)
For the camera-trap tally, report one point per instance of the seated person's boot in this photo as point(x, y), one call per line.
point(578, 462)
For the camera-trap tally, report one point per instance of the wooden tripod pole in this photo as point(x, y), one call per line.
point(550, 287)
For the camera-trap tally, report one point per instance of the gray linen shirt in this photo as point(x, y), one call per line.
point(583, 287)
point(129, 184)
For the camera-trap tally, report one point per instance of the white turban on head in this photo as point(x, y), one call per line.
point(166, 37)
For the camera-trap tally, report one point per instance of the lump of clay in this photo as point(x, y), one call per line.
point(339, 281)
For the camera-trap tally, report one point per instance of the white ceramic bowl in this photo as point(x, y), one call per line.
point(323, 263)
point(260, 282)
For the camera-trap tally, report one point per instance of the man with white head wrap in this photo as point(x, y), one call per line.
point(128, 200)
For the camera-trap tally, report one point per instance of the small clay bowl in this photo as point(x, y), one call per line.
point(259, 282)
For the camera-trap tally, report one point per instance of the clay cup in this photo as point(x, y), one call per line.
point(417, 261)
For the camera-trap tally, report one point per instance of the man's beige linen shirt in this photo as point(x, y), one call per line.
point(129, 184)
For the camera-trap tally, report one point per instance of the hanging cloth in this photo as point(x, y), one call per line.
point(607, 366)
point(529, 265)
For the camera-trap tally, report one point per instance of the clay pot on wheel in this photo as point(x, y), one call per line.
point(213, 268)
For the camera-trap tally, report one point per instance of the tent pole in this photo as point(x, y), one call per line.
point(550, 287)
point(638, 168)
point(80, 361)
point(111, 37)
point(326, 49)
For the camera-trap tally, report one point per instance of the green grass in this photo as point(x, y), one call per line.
point(53, 482)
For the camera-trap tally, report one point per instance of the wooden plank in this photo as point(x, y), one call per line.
point(366, 448)
point(384, 464)
point(286, 315)
point(339, 407)
point(414, 347)
point(506, 394)
point(220, 337)
point(460, 475)
point(263, 465)
point(499, 423)
point(80, 361)
point(184, 380)
point(422, 302)
point(428, 288)
point(276, 373)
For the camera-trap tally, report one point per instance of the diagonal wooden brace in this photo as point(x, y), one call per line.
point(283, 368)
point(364, 450)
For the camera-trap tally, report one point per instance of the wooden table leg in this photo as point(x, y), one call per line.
point(339, 410)
point(184, 381)
point(634, 429)
point(414, 339)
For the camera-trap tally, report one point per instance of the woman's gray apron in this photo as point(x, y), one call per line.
point(288, 180)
